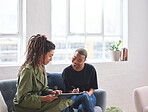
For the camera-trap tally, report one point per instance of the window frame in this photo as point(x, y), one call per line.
point(21, 9)
point(123, 29)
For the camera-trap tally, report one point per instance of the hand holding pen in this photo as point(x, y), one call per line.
point(75, 90)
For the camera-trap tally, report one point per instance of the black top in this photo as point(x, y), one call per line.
point(84, 79)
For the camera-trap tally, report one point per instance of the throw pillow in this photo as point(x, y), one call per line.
point(3, 107)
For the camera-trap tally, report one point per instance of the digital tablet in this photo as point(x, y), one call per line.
point(67, 95)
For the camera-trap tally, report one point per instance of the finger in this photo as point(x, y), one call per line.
point(53, 95)
point(74, 90)
point(86, 91)
point(53, 92)
point(78, 89)
point(52, 98)
point(59, 92)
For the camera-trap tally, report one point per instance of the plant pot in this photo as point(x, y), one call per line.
point(115, 55)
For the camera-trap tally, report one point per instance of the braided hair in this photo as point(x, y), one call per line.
point(38, 46)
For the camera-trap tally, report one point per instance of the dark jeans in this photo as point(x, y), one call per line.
point(84, 102)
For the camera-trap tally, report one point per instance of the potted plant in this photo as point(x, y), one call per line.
point(113, 109)
point(115, 52)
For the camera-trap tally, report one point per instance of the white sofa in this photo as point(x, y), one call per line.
point(141, 99)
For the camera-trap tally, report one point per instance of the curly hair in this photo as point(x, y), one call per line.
point(38, 46)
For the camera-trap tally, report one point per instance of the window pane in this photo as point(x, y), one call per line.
point(60, 43)
point(59, 55)
point(112, 17)
point(94, 47)
point(9, 16)
point(84, 19)
point(93, 16)
point(76, 16)
point(59, 20)
point(9, 49)
point(74, 42)
point(8, 57)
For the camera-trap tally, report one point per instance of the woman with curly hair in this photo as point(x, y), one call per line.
point(33, 94)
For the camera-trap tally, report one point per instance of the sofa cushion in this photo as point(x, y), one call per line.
point(96, 109)
point(3, 107)
point(55, 81)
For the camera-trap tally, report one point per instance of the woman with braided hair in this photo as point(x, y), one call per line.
point(32, 94)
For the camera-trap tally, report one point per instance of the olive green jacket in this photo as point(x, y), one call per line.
point(30, 86)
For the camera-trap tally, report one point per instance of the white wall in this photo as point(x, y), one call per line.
point(118, 78)
point(38, 17)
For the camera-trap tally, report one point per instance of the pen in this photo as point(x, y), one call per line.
point(73, 87)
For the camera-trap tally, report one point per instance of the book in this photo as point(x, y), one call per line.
point(124, 54)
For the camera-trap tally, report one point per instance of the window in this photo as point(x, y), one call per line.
point(90, 24)
point(11, 31)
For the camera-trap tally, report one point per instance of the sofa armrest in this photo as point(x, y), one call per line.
point(8, 90)
point(141, 98)
point(100, 98)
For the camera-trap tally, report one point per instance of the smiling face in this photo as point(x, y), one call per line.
point(78, 61)
point(48, 57)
